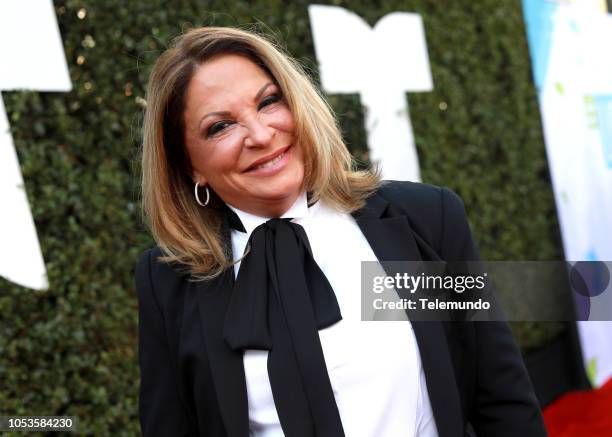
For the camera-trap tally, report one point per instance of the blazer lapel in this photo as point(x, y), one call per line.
point(392, 239)
point(226, 365)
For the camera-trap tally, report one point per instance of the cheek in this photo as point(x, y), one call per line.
point(215, 160)
point(284, 120)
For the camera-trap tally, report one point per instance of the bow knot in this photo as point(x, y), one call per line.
point(281, 298)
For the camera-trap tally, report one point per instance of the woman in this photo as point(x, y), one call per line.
point(249, 306)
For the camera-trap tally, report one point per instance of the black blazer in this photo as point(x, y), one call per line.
point(192, 384)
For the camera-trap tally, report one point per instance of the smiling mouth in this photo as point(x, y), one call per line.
point(272, 162)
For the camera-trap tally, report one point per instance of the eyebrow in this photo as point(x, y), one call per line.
point(226, 113)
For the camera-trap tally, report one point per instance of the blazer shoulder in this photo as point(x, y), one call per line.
point(434, 212)
point(158, 276)
point(414, 194)
point(151, 257)
point(421, 196)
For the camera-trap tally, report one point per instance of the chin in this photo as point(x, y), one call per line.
point(280, 195)
point(283, 187)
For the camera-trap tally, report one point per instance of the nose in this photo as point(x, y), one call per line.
point(258, 133)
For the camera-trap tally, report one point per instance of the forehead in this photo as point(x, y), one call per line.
point(225, 76)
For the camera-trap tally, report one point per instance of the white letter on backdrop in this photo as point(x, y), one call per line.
point(31, 57)
point(381, 64)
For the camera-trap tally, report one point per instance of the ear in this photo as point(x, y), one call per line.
point(199, 178)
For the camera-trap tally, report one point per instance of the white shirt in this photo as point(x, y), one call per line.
point(374, 367)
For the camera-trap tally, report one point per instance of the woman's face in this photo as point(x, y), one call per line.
point(240, 137)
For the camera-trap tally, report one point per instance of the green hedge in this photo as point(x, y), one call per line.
point(72, 350)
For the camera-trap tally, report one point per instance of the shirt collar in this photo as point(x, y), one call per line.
point(298, 210)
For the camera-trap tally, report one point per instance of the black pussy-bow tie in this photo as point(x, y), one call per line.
point(280, 300)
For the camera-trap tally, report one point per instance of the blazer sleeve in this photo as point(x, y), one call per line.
point(160, 407)
point(505, 403)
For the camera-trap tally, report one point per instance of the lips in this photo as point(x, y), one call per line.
point(268, 161)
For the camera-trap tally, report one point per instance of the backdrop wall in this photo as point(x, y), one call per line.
point(71, 350)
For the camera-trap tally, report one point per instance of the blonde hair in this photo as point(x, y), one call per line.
point(187, 233)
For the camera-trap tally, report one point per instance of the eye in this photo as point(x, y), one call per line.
point(271, 99)
point(217, 127)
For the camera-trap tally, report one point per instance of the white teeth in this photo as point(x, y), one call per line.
point(270, 163)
